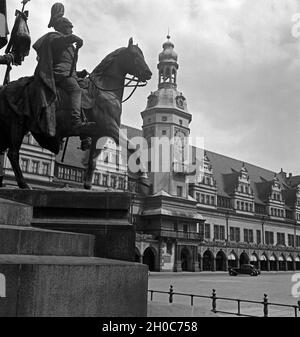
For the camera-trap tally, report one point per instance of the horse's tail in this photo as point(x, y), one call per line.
point(50, 143)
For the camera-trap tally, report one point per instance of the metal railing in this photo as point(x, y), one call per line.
point(214, 298)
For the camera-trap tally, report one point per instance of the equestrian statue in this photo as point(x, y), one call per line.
point(59, 102)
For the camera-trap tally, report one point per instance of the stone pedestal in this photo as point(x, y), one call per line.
point(102, 214)
point(54, 273)
point(50, 286)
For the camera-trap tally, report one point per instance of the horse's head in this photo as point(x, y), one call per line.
point(134, 62)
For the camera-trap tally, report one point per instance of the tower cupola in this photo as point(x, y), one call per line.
point(167, 66)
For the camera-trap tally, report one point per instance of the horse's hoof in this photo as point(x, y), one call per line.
point(25, 186)
point(87, 186)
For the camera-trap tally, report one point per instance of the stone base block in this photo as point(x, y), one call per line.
point(33, 241)
point(48, 286)
point(102, 214)
point(14, 213)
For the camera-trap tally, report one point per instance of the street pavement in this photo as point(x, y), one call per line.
point(277, 285)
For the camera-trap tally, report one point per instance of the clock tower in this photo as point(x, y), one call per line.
point(166, 127)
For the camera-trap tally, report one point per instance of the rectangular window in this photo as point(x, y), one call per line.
point(258, 237)
point(67, 174)
point(105, 157)
point(216, 232)
point(105, 180)
point(246, 235)
point(45, 169)
point(269, 238)
point(232, 234)
point(297, 241)
point(179, 191)
point(35, 167)
point(60, 174)
point(281, 239)
point(25, 165)
point(97, 179)
point(237, 234)
point(290, 240)
point(201, 231)
point(164, 118)
point(79, 176)
point(122, 182)
point(219, 232)
point(113, 181)
point(73, 175)
point(207, 200)
point(207, 231)
point(250, 236)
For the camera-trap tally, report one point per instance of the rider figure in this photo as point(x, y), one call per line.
point(57, 59)
point(64, 68)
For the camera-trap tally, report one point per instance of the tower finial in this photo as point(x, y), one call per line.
point(168, 36)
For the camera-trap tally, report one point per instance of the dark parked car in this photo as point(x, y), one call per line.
point(248, 269)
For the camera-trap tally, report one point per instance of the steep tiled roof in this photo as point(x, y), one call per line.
point(290, 196)
point(224, 166)
point(294, 181)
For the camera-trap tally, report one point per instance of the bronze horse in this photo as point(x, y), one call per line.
point(104, 87)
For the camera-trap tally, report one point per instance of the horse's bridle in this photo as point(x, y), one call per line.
point(126, 85)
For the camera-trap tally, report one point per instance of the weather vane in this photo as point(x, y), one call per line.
point(24, 2)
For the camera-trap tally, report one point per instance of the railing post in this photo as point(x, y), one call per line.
point(214, 301)
point(299, 305)
point(192, 300)
point(239, 307)
point(151, 293)
point(265, 302)
point(171, 294)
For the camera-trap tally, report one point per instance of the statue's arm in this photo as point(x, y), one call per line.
point(6, 59)
point(61, 42)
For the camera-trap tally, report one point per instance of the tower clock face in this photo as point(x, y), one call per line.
point(179, 141)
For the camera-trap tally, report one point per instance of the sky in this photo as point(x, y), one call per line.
point(239, 65)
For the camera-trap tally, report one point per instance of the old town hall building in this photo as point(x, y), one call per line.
point(230, 213)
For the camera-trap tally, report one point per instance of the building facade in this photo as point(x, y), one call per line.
point(224, 214)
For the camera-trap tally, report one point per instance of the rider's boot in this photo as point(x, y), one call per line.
point(85, 143)
point(79, 127)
